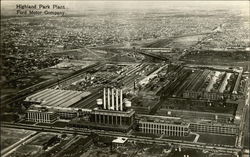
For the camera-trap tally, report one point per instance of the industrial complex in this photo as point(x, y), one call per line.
point(169, 99)
point(127, 79)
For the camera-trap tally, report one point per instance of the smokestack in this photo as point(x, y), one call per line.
point(117, 99)
point(112, 99)
point(121, 100)
point(104, 98)
point(108, 99)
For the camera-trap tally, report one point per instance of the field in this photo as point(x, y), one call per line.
point(81, 54)
point(128, 149)
point(194, 153)
point(43, 144)
point(217, 139)
point(182, 42)
point(33, 147)
point(184, 138)
point(144, 134)
point(11, 136)
point(213, 57)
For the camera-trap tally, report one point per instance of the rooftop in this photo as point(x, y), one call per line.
point(57, 109)
point(57, 98)
point(162, 119)
point(199, 105)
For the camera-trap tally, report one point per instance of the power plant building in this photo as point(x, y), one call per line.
point(113, 112)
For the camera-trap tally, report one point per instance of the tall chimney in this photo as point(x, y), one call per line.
point(112, 99)
point(108, 99)
point(117, 99)
point(104, 98)
point(121, 100)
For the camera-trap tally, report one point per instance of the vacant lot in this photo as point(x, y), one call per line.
point(11, 136)
point(182, 138)
point(217, 139)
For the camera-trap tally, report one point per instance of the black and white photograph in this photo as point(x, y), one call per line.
point(117, 78)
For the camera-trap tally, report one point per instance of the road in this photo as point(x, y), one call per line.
point(185, 144)
point(246, 131)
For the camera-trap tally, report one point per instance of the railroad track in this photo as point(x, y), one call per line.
point(21, 95)
point(184, 144)
point(90, 102)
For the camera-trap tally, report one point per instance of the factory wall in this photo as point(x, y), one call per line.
point(223, 118)
point(211, 128)
point(211, 95)
point(41, 117)
point(164, 128)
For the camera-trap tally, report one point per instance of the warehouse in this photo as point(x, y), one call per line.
point(217, 128)
point(56, 97)
point(163, 125)
point(40, 113)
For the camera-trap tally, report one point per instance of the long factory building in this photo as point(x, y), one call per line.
point(212, 85)
point(55, 104)
point(169, 126)
point(56, 98)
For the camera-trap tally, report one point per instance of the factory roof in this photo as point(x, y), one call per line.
point(57, 109)
point(57, 98)
point(162, 119)
point(128, 112)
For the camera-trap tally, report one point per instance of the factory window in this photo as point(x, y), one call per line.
point(102, 119)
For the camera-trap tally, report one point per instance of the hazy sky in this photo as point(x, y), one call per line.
point(81, 6)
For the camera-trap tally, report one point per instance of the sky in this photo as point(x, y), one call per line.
point(9, 7)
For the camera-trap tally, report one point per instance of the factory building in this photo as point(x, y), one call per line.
point(211, 95)
point(113, 110)
point(37, 113)
point(56, 97)
point(218, 117)
point(163, 125)
point(216, 128)
point(56, 102)
point(113, 113)
point(69, 113)
point(43, 115)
